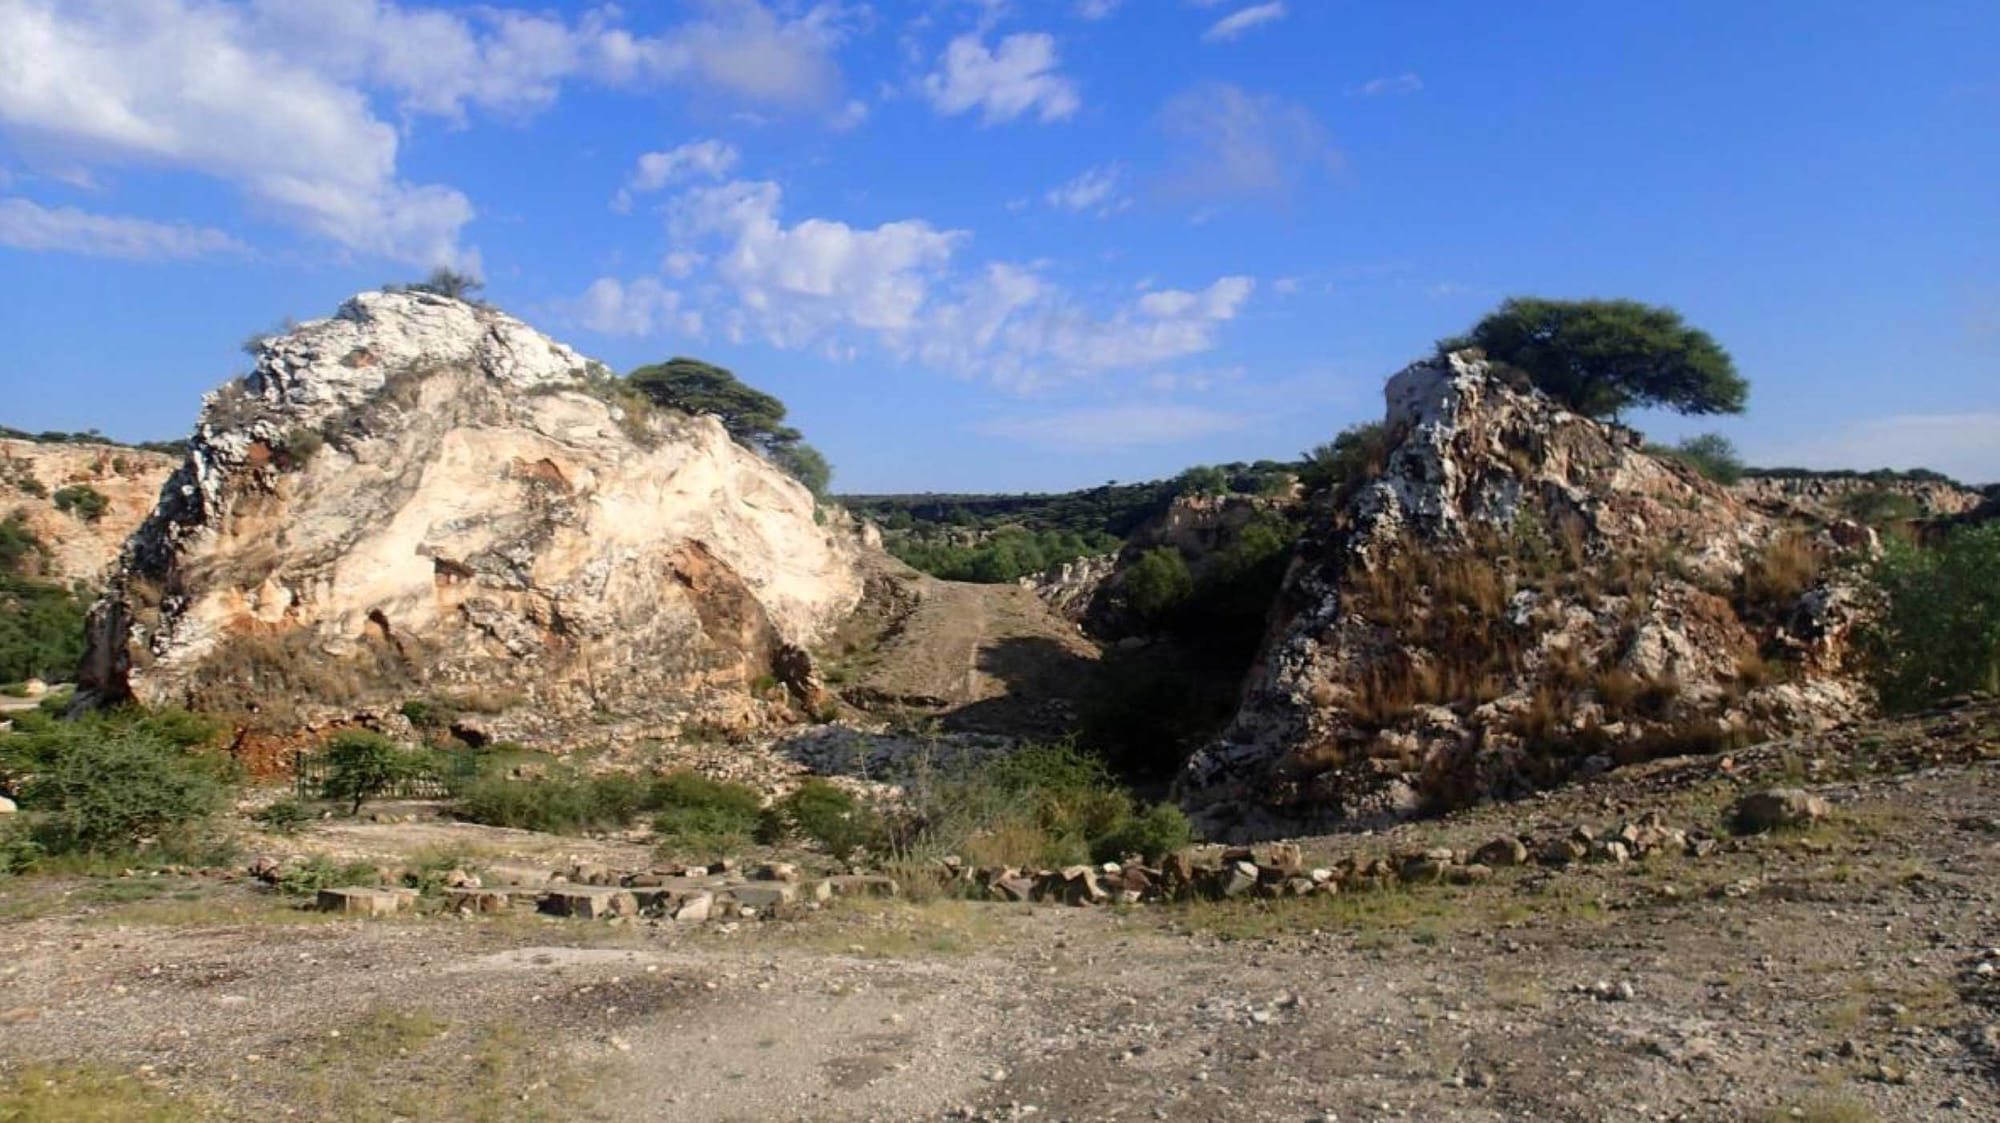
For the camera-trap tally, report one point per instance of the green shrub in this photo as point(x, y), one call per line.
point(361, 765)
point(321, 872)
point(697, 814)
point(1940, 634)
point(1161, 830)
point(114, 791)
point(284, 816)
point(1711, 454)
point(831, 816)
point(83, 501)
point(1157, 584)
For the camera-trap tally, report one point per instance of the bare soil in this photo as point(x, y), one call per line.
point(1829, 974)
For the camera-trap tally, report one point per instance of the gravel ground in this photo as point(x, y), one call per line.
point(1831, 974)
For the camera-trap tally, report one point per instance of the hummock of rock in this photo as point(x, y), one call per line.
point(1522, 596)
point(79, 548)
point(422, 498)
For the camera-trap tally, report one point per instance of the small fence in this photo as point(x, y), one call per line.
point(309, 771)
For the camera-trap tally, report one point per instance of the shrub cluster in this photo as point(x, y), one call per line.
point(690, 811)
point(128, 786)
point(1940, 633)
point(81, 500)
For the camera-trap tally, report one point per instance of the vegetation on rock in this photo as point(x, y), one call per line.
point(41, 623)
point(1602, 357)
point(754, 418)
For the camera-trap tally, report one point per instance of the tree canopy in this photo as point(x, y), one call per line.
point(448, 282)
point(751, 416)
point(1601, 357)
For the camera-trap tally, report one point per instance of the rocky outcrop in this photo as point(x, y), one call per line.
point(1521, 596)
point(421, 498)
point(1070, 588)
point(51, 486)
point(1831, 497)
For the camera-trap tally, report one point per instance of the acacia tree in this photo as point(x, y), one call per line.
point(1601, 357)
point(448, 282)
point(750, 415)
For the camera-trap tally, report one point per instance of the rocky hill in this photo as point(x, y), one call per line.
point(1832, 496)
point(1522, 596)
point(425, 499)
point(80, 501)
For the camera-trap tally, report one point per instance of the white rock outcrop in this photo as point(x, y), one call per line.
point(1521, 596)
point(422, 498)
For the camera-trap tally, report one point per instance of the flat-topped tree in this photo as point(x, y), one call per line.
point(750, 415)
point(1601, 357)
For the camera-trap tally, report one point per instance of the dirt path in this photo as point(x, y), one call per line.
point(987, 658)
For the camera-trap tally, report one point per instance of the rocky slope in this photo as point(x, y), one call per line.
point(1523, 595)
point(421, 498)
point(82, 547)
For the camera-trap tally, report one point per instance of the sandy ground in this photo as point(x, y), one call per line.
point(1833, 974)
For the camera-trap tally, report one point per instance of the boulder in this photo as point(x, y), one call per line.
point(420, 493)
point(1502, 852)
point(475, 900)
point(589, 902)
point(355, 900)
point(7, 806)
point(1778, 808)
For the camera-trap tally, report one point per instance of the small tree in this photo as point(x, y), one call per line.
point(1358, 452)
point(805, 464)
point(1711, 454)
point(751, 416)
point(1202, 480)
point(448, 282)
point(1601, 357)
point(361, 765)
point(1157, 584)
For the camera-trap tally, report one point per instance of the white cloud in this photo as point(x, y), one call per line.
point(1094, 189)
point(703, 159)
point(27, 225)
point(1965, 446)
point(1235, 24)
point(1118, 426)
point(796, 282)
point(163, 83)
point(1096, 9)
point(275, 97)
point(1233, 143)
point(1395, 84)
point(824, 284)
point(1285, 286)
point(618, 308)
point(1017, 77)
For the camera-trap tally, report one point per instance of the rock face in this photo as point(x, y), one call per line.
point(80, 548)
point(421, 498)
point(1523, 595)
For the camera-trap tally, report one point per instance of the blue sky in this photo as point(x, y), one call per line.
point(1022, 245)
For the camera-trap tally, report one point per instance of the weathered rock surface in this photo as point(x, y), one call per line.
point(425, 498)
point(1522, 596)
point(79, 548)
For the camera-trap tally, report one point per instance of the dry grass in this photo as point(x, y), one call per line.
point(1775, 579)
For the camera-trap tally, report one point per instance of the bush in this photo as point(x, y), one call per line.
point(1157, 584)
point(1359, 452)
point(1711, 454)
point(832, 817)
point(1042, 806)
point(1940, 633)
point(83, 501)
point(696, 813)
point(285, 816)
point(362, 765)
point(113, 790)
point(1160, 831)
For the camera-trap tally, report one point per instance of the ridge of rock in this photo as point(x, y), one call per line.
point(422, 498)
point(1521, 596)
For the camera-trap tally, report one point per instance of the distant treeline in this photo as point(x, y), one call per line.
point(88, 437)
point(1877, 476)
